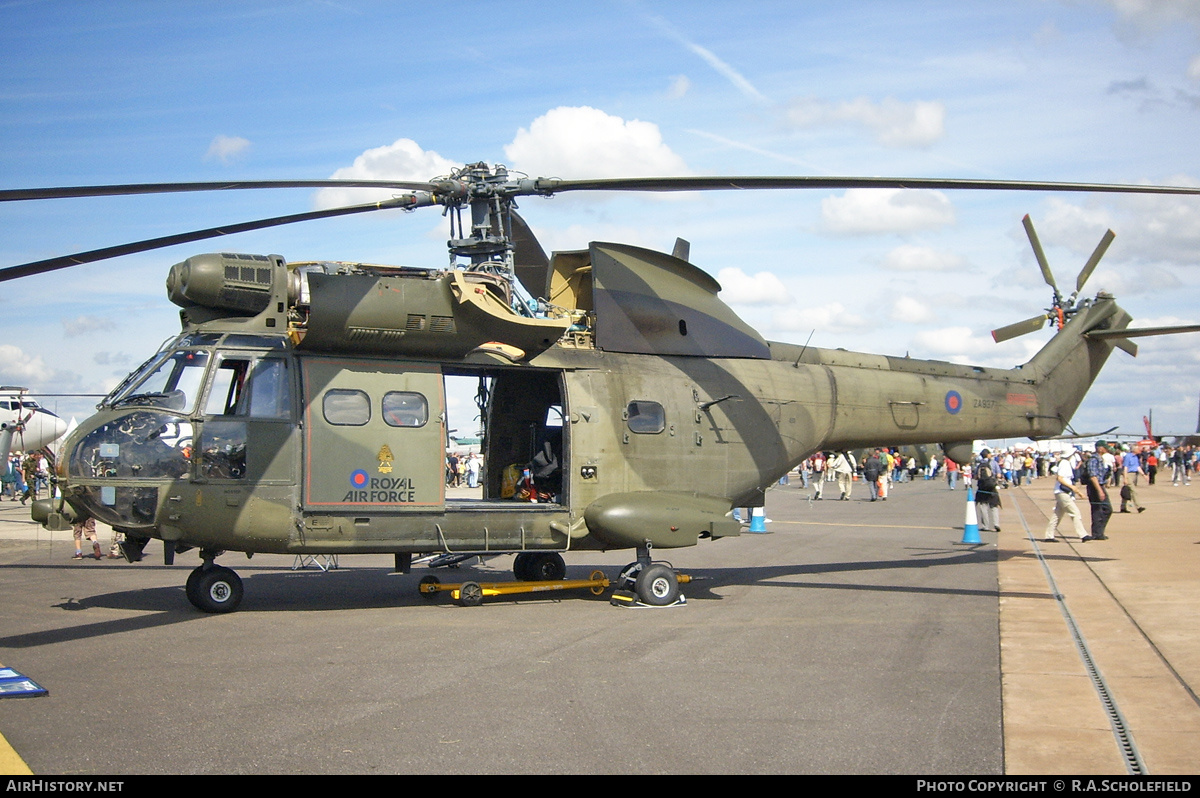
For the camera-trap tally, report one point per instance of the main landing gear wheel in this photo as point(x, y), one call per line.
point(429, 595)
point(216, 589)
point(539, 566)
point(657, 586)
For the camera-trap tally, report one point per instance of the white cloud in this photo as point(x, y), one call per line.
point(679, 87)
point(1140, 19)
point(832, 317)
point(885, 210)
point(20, 368)
point(576, 236)
point(84, 325)
point(105, 358)
point(576, 142)
point(726, 71)
point(763, 288)
point(1126, 281)
point(402, 160)
point(1149, 227)
point(910, 310)
point(756, 150)
point(894, 123)
point(914, 257)
point(722, 68)
point(226, 148)
point(959, 345)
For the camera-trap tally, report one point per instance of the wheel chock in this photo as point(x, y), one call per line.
point(623, 598)
point(627, 598)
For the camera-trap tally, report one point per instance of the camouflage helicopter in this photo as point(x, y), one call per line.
point(301, 408)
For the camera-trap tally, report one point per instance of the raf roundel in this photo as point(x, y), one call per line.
point(954, 402)
point(359, 479)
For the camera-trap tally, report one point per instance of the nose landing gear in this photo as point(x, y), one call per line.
point(648, 583)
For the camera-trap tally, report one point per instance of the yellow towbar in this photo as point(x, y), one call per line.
point(472, 594)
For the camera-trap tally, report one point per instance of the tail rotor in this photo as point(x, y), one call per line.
point(1059, 310)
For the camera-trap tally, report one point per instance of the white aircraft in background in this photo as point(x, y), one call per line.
point(24, 424)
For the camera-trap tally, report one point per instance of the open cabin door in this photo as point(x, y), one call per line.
point(374, 436)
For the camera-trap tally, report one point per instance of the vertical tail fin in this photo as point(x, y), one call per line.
point(1065, 368)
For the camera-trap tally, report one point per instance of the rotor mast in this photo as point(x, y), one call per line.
point(488, 194)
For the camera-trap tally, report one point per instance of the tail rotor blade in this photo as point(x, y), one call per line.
point(1090, 266)
point(1020, 328)
point(1038, 253)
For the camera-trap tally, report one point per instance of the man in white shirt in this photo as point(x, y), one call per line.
point(1065, 494)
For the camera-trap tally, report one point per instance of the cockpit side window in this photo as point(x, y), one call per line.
point(228, 383)
point(241, 386)
point(270, 390)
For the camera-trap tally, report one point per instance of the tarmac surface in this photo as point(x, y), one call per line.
point(857, 637)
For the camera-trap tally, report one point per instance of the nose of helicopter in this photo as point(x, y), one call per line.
point(114, 464)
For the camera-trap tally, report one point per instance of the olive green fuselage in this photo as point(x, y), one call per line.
point(644, 448)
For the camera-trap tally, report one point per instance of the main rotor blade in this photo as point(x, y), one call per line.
point(1038, 253)
point(65, 261)
point(552, 185)
point(1020, 328)
point(13, 195)
point(1097, 254)
point(1144, 332)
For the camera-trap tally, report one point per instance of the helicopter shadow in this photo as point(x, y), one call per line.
point(792, 576)
point(267, 590)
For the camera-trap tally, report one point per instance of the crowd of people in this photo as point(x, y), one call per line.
point(1076, 474)
point(25, 477)
point(463, 470)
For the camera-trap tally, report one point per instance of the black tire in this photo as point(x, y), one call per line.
point(428, 580)
point(657, 586)
point(189, 587)
point(547, 567)
point(216, 590)
point(470, 594)
point(521, 568)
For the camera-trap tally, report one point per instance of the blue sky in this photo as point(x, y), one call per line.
point(1089, 90)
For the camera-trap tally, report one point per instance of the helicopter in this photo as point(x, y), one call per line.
point(624, 405)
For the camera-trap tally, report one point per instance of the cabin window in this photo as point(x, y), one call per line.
point(645, 417)
point(346, 408)
point(405, 409)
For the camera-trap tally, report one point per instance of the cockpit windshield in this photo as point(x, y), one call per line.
point(171, 382)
